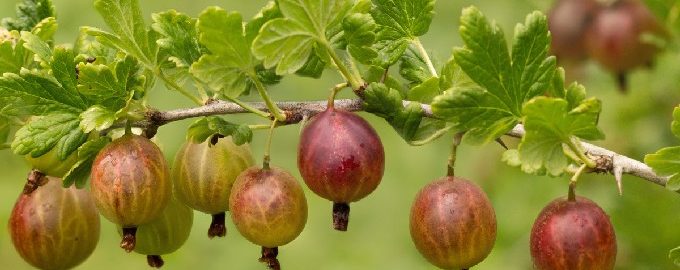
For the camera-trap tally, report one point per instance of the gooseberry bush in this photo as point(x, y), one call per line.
point(80, 114)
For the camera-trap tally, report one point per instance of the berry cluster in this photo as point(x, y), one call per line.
point(620, 36)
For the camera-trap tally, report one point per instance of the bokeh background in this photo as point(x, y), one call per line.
point(646, 217)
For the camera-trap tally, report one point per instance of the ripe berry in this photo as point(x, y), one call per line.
point(453, 224)
point(574, 235)
point(204, 174)
point(51, 165)
point(54, 227)
point(130, 184)
point(269, 208)
point(568, 21)
point(341, 159)
point(616, 38)
point(164, 235)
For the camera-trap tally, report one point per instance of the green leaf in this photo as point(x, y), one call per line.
point(408, 121)
point(179, 38)
point(42, 50)
point(453, 77)
point(13, 55)
point(675, 125)
point(313, 68)
point(269, 12)
point(44, 133)
point(426, 91)
point(111, 87)
point(413, 67)
point(507, 81)
point(476, 112)
point(359, 35)
point(288, 42)
point(205, 128)
point(399, 22)
point(408, 19)
point(378, 74)
point(550, 125)
point(381, 100)
point(230, 67)
point(46, 29)
point(63, 67)
point(33, 93)
point(29, 13)
point(80, 172)
point(5, 128)
point(674, 255)
point(97, 118)
point(130, 34)
point(667, 162)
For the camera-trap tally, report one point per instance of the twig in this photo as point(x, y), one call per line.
point(607, 161)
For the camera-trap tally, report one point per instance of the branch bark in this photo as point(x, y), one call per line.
point(607, 161)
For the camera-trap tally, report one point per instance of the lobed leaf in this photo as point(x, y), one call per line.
point(28, 14)
point(288, 42)
point(666, 162)
point(207, 127)
point(179, 37)
point(230, 67)
point(550, 125)
point(507, 80)
point(130, 34)
point(43, 133)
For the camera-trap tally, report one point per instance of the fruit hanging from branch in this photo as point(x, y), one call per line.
point(203, 176)
point(624, 36)
point(568, 22)
point(341, 159)
point(53, 227)
point(269, 209)
point(453, 223)
point(165, 234)
point(573, 234)
point(130, 184)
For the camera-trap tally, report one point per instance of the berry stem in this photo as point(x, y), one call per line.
point(269, 258)
point(129, 240)
point(155, 261)
point(334, 91)
point(268, 146)
point(340, 216)
point(579, 153)
point(217, 226)
point(572, 183)
point(452, 158)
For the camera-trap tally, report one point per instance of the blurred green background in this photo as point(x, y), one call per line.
point(646, 217)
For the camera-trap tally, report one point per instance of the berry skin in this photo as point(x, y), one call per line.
point(616, 41)
point(130, 184)
point(573, 235)
point(453, 223)
point(341, 159)
point(164, 235)
point(269, 208)
point(568, 22)
point(203, 176)
point(54, 227)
